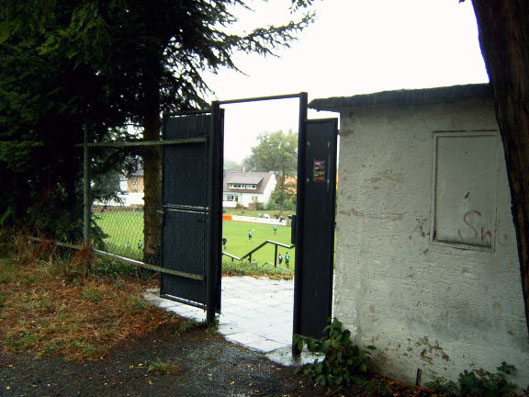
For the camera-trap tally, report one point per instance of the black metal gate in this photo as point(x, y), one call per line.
point(315, 227)
point(192, 213)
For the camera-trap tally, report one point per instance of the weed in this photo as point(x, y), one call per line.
point(4, 278)
point(189, 325)
point(213, 326)
point(27, 281)
point(477, 383)
point(46, 302)
point(76, 344)
point(91, 295)
point(22, 341)
point(343, 362)
point(113, 269)
point(159, 367)
point(49, 350)
point(3, 299)
point(377, 388)
point(136, 305)
point(7, 271)
point(119, 285)
point(23, 247)
point(90, 350)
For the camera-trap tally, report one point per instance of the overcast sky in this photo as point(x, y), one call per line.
point(354, 47)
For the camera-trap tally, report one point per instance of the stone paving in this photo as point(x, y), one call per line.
point(256, 313)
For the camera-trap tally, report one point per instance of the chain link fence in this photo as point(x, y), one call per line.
point(123, 207)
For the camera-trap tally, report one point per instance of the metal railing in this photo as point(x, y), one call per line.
point(249, 254)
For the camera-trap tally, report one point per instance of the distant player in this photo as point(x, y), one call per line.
point(275, 229)
point(250, 235)
point(287, 258)
point(280, 258)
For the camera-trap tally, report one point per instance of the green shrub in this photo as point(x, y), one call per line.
point(478, 383)
point(343, 362)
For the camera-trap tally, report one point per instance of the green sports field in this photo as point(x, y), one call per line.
point(238, 243)
point(125, 236)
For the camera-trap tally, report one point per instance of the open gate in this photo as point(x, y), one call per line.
point(192, 213)
point(192, 209)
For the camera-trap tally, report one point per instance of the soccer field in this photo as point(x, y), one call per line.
point(238, 243)
point(125, 236)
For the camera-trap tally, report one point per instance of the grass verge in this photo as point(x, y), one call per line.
point(83, 316)
point(247, 269)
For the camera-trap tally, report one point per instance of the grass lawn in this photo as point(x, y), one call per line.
point(239, 244)
point(125, 231)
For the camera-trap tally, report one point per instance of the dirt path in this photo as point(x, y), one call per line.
point(209, 367)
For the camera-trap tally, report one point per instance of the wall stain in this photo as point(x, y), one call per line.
point(431, 350)
point(419, 227)
point(394, 177)
point(373, 215)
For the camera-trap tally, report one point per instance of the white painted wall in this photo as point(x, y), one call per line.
point(436, 307)
point(269, 189)
point(123, 200)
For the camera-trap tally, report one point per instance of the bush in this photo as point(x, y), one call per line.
point(344, 362)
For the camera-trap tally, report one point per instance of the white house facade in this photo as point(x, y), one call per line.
point(426, 260)
point(247, 188)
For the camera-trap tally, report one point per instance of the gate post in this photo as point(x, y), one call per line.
point(302, 138)
point(214, 233)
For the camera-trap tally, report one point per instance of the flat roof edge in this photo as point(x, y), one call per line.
point(405, 97)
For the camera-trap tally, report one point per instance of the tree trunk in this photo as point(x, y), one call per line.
point(152, 175)
point(504, 39)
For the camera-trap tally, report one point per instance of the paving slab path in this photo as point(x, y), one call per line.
point(257, 313)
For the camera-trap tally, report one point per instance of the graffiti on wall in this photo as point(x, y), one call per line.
point(474, 229)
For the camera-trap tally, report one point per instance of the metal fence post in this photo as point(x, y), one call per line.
point(86, 190)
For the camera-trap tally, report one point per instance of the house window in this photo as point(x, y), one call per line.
point(236, 186)
point(255, 198)
point(251, 187)
point(464, 189)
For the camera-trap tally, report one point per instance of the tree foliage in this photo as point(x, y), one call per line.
point(70, 65)
point(276, 152)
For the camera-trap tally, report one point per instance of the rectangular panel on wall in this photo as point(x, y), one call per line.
point(464, 189)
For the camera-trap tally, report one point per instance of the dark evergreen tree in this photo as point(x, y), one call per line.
point(69, 65)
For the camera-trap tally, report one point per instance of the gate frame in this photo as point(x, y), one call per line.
point(214, 142)
point(300, 204)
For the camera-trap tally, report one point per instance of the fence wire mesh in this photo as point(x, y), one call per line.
point(126, 200)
